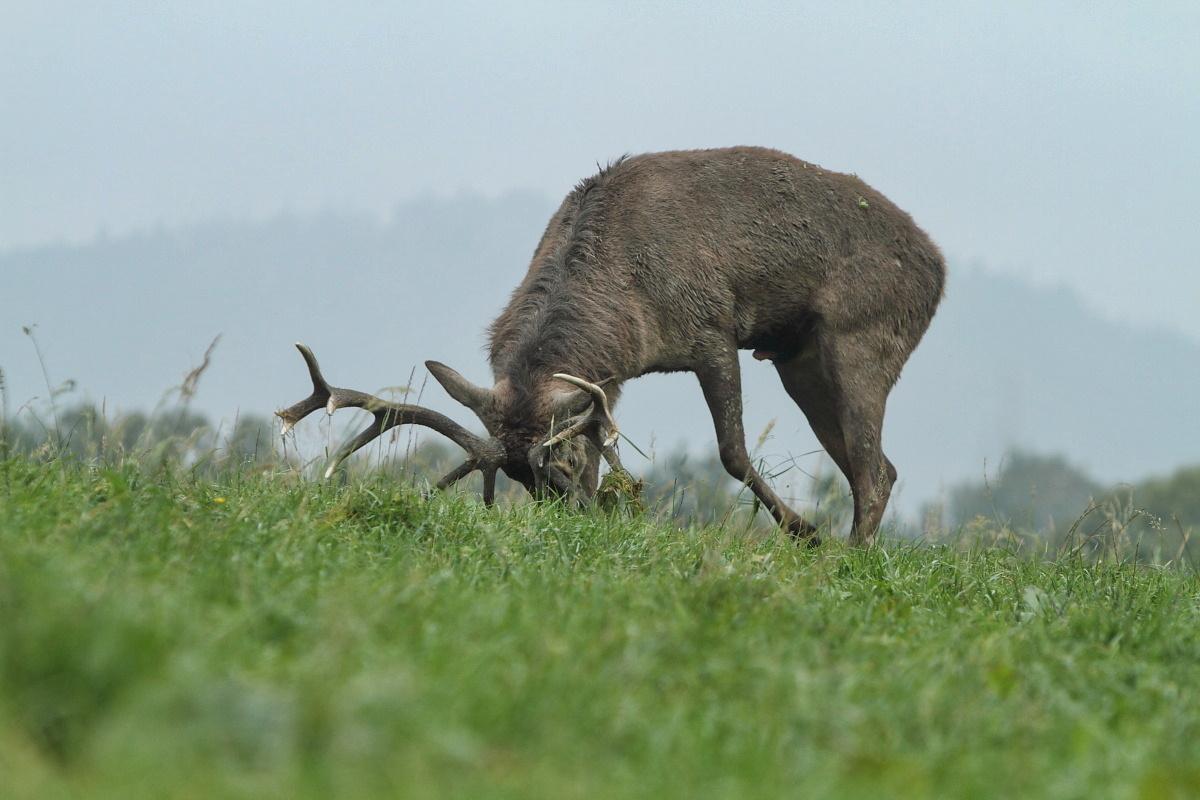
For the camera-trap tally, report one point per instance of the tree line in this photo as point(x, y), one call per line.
point(1029, 499)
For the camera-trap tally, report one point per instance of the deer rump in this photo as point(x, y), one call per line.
point(673, 262)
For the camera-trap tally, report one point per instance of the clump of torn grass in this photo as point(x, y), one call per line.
point(621, 491)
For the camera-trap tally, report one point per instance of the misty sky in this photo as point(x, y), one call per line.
point(1055, 141)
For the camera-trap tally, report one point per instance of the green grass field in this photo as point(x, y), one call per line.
point(261, 636)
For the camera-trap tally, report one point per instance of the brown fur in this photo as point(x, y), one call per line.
point(674, 261)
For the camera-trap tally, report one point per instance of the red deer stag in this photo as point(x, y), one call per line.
point(672, 262)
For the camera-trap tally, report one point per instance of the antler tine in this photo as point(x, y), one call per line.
point(387, 415)
point(614, 461)
point(599, 414)
point(591, 388)
point(458, 473)
point(466, 468)
point(577, 426)
point(489, 486)
point(369, 434)
point(319, 397)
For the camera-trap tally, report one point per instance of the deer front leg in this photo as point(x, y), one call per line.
point(721, 381)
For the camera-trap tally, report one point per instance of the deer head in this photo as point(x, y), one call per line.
point(550, 445)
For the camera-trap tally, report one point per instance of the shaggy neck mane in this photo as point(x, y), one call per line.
point(561, 318)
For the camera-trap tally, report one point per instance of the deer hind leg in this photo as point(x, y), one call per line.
point(721, 381)
point(807, 380)
point(856, 373)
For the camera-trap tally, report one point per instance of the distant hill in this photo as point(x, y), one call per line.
point(1007, 365)
point(1004, 364)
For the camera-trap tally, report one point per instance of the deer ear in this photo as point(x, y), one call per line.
point(473, 397)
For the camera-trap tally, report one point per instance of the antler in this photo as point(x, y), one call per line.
point(484, 454)
point(594, 421)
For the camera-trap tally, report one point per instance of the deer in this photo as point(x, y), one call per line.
point(674, 262)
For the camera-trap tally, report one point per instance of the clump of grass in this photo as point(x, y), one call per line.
point(620, 491)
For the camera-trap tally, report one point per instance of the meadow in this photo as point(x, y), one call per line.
point(167, 632)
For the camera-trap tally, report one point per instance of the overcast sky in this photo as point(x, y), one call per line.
point(1055, 141)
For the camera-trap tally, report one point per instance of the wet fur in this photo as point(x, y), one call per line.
point(672, 261)
point(645, 260)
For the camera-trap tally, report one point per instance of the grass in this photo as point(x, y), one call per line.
point(257, 635)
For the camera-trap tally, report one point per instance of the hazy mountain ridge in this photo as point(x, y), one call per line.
point(1009, 365)
point(1004, 364)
